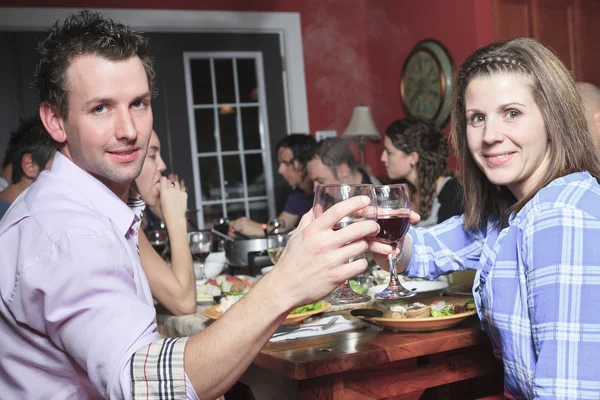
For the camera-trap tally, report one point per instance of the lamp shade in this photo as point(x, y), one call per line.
point(361, 125)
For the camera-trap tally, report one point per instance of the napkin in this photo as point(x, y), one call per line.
point(342, 324)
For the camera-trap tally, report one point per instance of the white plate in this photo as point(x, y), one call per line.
point(420, 286)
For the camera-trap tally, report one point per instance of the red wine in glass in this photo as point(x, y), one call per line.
point(393, 210)
point(201, 256)
point(392, 228)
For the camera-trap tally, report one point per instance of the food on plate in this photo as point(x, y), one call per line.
point(308, 307)
point(223, 285)
point(418, 312)
point(437, 308)
point(227, 302)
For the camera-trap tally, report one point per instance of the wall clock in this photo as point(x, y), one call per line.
point(426, 82)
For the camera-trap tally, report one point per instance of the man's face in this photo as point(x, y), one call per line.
point(319, 173)
point(109, 120)
point(289, 168)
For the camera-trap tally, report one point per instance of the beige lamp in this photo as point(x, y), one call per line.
point(362, 128)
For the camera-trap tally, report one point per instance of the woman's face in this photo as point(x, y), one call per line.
point(506, 133)
point(397, 163)
point(149, 178)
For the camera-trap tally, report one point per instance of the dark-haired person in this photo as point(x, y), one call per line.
point(77, 319)
point(293, 153)
point(334, 163)
point(416, 151)
point(31, 152)
point(531, 225)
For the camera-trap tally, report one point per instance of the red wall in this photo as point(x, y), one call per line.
point(353, 49)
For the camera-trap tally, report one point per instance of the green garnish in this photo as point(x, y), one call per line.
point(308, 307)
point(442, 313)
point(224, 294)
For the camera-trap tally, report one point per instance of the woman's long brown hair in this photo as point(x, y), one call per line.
point(571, 146)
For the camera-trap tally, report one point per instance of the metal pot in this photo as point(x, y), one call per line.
point(250, 252)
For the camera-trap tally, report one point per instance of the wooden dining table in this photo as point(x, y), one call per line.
point(369, 363)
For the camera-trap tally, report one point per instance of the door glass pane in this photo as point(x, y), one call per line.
point(235, 210)
point(205, 131)
point(228, 128)
point(255, 175)
point(209, 178)
point(201, 87)
point(224, 81)
point(248, 88)
point(212, 214)
point(259, 211)
point(250, 127)
point(234, 185)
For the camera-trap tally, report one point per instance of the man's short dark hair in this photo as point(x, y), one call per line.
point(303, 147)
point(82, 33)
point(334, 152)
point(30, 138)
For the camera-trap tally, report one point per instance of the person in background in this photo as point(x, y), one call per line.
point(416, 151)
point(293, 153)
point(77, 318)
point(31, 152)
point(590, 94)
point(6, 173)
point(173, 286)
point(531, 225)
point(333, 163)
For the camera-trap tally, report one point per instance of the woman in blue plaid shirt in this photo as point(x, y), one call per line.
point(531, 226)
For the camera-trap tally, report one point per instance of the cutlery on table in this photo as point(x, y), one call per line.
point(283, 330)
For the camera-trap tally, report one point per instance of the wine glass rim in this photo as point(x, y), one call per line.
point(391, 184)
point(345, 184)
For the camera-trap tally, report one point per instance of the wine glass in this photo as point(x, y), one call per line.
point(393, 211)
point(275, 245)
point(325, 197)
point(159, 239)
point(200, 246)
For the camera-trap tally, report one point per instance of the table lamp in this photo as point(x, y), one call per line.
point(362, 128)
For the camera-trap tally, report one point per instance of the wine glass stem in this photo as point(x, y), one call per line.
point(393, 274)
point(346, 284)
point(202, 271)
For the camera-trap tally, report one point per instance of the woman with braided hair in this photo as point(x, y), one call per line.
point(416, 151)
point(531, 225)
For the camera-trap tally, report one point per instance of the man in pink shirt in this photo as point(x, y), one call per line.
point(76, 312)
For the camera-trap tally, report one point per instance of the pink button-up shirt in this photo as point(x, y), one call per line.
point(75, 304)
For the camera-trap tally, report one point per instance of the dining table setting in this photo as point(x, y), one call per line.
point(377, 336)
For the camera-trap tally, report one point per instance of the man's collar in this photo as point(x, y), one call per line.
point(100, 196)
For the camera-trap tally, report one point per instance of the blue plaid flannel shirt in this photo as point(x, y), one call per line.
point(537, 287)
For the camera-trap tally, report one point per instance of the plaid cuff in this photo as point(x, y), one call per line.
point(157, 371)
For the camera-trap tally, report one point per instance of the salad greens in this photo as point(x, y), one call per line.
point(308, 307)
point(470, 305)
point(224, 294)
point(444, 312)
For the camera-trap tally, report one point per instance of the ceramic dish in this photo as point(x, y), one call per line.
point(292, 319)
point(422, 324)
point(419, 324)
